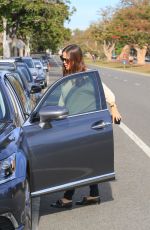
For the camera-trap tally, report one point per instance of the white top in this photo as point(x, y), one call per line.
point(109, 95)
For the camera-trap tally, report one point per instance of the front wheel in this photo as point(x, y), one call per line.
point(28, 207)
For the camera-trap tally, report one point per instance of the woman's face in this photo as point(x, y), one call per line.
point(66, 61)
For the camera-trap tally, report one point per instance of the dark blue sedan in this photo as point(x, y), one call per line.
point(66, 142)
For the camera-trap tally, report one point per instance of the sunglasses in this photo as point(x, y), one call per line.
point(64, 59)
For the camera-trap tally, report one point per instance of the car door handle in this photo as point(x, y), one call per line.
point(101, 125)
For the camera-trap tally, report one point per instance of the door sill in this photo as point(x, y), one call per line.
point(97, 179)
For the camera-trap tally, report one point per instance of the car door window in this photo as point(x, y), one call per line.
point(79, 93)
point(18, 109)
point(21, 93)
point(26, 74)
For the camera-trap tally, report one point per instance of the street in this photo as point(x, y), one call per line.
point(125, 203)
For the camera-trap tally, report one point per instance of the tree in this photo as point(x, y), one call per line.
point(125, 26)
point(131, 24)
point(103, 33)
point(40, 20)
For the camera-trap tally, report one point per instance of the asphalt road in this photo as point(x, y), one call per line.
point(126, 202)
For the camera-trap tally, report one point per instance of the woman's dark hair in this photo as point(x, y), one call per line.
point(76, 59)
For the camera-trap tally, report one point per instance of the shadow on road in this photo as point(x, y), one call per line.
point(45, 208)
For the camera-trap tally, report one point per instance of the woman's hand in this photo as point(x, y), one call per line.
point(116, 117)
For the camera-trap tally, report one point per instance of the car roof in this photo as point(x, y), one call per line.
point(7, 64)
point(7, 60)
point(27, 57)
point(4, 72)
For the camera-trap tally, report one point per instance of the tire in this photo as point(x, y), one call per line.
point(28, 207)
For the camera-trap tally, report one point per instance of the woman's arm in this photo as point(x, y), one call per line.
point(110, 99)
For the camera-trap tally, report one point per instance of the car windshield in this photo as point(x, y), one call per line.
point(25, 74)
point(29, 63)
point(37, 63)
point(4, 115)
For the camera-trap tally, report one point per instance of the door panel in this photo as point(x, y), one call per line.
point(72, 149)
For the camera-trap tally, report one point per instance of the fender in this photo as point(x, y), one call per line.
point(21, 165)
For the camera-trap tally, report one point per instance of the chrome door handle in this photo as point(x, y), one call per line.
point(101, 125)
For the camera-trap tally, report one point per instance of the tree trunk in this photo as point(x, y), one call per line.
point(108, 48)
point(21, 52)
point(27, 47)
point(6, 48)
point(140, 54)
point(15, 52)
point(125, 52)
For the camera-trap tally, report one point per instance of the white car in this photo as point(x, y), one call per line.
point(41, 70)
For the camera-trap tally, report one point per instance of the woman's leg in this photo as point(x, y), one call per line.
point(93, 198)
point(69, 194)
point(94, 191)
point(66, 201)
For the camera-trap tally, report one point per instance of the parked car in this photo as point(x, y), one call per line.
point(31, 84)
point(14, 188)
point(22, 72)
point(66, 142)
point(35, 73)
point(41, 70)
point(147, 58)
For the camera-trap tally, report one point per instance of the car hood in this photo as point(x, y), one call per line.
point(9, 136)
point(33, 70)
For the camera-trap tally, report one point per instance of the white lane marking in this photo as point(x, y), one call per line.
point(35, 212)
point(125, 80)
point(136, 139)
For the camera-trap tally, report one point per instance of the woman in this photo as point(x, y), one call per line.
point(72, 59)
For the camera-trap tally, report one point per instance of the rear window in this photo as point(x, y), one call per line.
point(26, 74)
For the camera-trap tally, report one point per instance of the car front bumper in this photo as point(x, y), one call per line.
point(40, 81)
point(12, 204)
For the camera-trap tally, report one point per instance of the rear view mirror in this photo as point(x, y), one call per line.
point(35, 89)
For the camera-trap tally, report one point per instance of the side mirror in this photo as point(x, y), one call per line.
point(35, 89)
point(49, 113)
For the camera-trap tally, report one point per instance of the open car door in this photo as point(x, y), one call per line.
point(69, 136)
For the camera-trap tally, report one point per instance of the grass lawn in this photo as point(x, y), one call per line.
point(118, 65)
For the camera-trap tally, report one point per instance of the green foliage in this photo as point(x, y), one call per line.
point(41, 20)
point(132, 24)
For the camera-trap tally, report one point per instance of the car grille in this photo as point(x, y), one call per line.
point(5, 224)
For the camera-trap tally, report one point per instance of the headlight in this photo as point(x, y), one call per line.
point(8, 169)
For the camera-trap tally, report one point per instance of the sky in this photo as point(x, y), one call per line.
point(87, 12)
